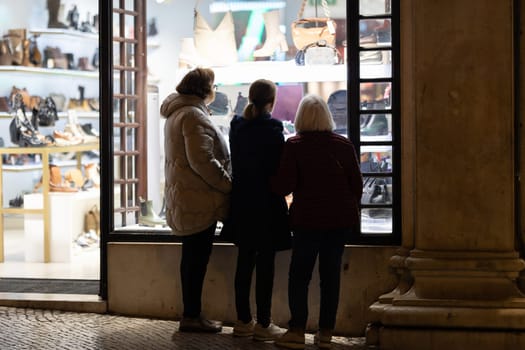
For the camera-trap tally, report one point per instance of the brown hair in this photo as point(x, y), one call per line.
point(261, 93)
point(198, 82)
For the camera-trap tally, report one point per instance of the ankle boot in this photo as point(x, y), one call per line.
point(275, 39)
point(6, 58)
point(147, 216)
point(16, 39)
point(53, 7)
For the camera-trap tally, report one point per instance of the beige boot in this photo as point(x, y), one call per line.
point(189, 57)
point(275, 39)
point(147, 216)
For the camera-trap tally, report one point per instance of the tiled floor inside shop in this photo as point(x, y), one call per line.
point(84, 264)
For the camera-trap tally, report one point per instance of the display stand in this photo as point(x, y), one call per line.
point(66, 223)
point(44, 210)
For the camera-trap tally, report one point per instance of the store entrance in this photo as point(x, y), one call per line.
point(49, 147)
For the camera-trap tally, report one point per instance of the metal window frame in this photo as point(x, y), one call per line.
point(354, 111)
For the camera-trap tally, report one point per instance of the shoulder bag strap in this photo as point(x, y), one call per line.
point(324, 5)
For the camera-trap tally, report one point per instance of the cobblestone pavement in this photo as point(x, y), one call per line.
point(49, 330)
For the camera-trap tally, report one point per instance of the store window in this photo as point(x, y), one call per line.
point(351, 63)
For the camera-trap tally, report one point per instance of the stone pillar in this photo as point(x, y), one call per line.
point(458, 264)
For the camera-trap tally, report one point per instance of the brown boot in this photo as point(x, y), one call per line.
point(53, 7)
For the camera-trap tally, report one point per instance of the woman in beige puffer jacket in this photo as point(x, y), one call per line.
point(198, 183)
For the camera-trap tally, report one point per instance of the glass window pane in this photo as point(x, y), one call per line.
point(377, 190)
point(376, 127)
point(376, 159)
point(375, 33)
point(375, 64)
point(376, 220)
point(375, 95)
point(374, 7)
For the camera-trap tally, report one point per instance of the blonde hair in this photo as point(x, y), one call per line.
point(261, 93)
point(313, 115)
point(198, 82)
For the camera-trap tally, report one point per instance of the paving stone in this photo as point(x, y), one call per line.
point(58, 330)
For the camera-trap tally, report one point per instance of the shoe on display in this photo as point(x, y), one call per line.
point(53, 7)
point(292, 339)
point(271, 332)
point(147, 216)
point(323, 339)
point(242, 329)
point(199, 325)
point(275, 39)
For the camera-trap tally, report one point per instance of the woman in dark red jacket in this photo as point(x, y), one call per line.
point(320, 169)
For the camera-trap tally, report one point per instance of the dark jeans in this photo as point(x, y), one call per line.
point(196, 251)
point(247, 260)
point(306, 246)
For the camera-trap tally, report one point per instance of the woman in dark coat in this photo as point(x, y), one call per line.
point(321, 169)
point(258, 219)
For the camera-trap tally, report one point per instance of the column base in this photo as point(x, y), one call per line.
point(439, 339)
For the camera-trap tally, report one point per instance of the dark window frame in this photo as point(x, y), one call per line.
point(107, 70)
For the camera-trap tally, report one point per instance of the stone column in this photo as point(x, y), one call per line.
point(459, 264)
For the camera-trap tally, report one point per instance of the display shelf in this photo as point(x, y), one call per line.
point(38, 166)
point(49, 71)
point(66, 32)
point(287, 72)
point(80, 114)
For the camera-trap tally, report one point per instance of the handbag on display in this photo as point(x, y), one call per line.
point(306, 31)
point(220, 105)
point(46, 113)
point(318, 53)
point(60, 101)
point(337, 104)
point(216, 47)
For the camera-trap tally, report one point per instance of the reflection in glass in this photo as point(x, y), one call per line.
point(376, 220)
point(375, 64)
point(374, 7)
point(375, 95)
point(377, 190)
point(376, 159)
point(375, 33)
point(376, 127)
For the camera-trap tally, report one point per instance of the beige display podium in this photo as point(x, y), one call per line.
point(66, 223)
point(44, 208)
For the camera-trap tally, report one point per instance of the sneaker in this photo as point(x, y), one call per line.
point(199, 324)
point(323, 339)
point(242, 329)
point(271, 332)
point(292, 339)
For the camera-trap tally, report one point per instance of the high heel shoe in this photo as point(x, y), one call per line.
point(275, 39)
point(22, 133)
point(92, 174)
